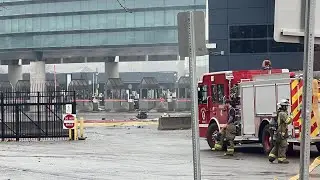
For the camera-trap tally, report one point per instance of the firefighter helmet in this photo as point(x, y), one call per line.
point(266, 64)
point(284, 102)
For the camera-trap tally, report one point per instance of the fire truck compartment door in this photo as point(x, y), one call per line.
point(283, 92)
point(265, 100)
point(247, 96)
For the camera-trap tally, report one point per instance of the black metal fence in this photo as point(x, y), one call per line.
point(34, 114)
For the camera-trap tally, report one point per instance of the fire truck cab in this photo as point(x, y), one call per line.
point(257, 93)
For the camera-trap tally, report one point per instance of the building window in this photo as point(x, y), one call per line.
point(249, 31)
point(284, 47)
point(259, 39)
point(214, 93)
point(248, 46)
point(220, 92)
point(270, 31)
point(202, 94)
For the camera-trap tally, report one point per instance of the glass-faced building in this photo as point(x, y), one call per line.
point(243, 33)
point(54, 24)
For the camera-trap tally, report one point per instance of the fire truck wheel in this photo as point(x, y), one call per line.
point(213, 129)
point(318, 146)
point(290, 150)
point(266, 139)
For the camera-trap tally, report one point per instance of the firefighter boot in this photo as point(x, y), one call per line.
point(217, 147)
point(271, 157)
point(229, 152)
point(283, 161)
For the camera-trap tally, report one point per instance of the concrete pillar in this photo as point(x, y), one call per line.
point(181, 69)
point(111, 70)
point(146, 57)
point(14, 73)
point(37, 73)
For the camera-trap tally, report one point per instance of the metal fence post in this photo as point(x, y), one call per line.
point(74, 103)
point(17, 119)
point(74, 111)
point(39, 116)
point(2, 117)
point(47, 106)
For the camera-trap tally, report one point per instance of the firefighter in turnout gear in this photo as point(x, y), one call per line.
point(283, 119)
point(229, 132)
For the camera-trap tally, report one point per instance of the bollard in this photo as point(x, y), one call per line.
point(81, 129)
point(75, 130)
point(70, 134)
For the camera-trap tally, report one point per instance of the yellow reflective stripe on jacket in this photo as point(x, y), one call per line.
point(289, 120)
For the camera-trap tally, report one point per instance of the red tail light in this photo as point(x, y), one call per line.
point(296, 129)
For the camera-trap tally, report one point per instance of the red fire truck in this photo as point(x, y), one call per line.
point(258, 92)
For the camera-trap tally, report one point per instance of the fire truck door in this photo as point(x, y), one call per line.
point(203, 104)
point(219, 109)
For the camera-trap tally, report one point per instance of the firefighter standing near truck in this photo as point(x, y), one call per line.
point(229, 132)
point(281, 144)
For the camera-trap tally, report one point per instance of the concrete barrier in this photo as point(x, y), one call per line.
point(182, 105)
point(153, 105)
point(174, 123)
point(161, 106)
point(171, 105)
point(146, 105)
point(117, 106)
point(85, 106)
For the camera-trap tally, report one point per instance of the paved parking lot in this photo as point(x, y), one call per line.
point(132, 153)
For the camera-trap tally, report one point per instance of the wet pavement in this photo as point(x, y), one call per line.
point(132, 153)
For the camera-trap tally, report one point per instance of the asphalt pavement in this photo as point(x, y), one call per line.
point(135, 153)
